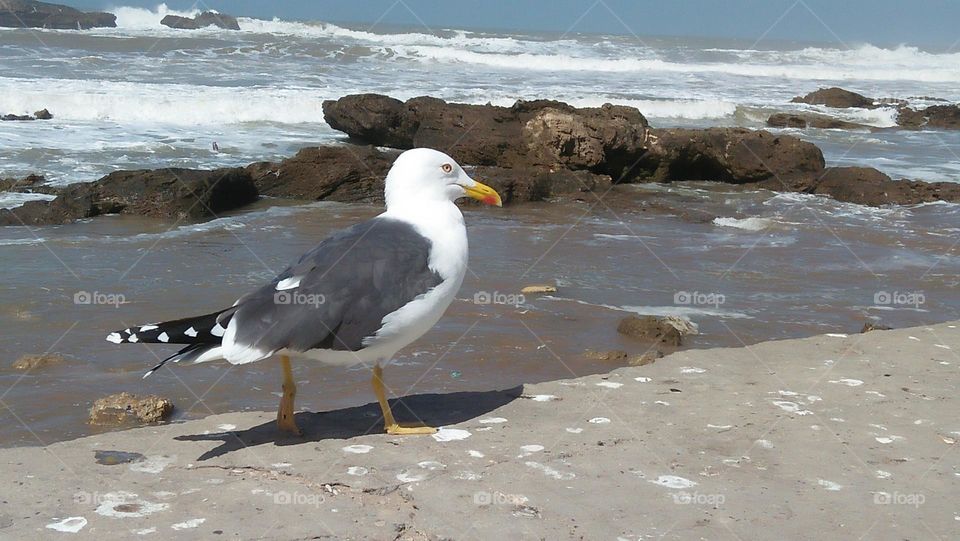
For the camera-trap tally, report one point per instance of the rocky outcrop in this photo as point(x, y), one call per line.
point(355, 174)
point(162, 193)
point(867, 186)
point(42, 114)
point(810, 120)
point(31, 362)
point(32, 14)
point(935, 116)
point(524, 184)
point(345, 173)
point(603, 140)
point(125, 408)
point(732, 155)
point(836, 97)
point(667, 330)
point(203, 20)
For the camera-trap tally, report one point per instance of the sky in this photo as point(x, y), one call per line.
point(928, 23)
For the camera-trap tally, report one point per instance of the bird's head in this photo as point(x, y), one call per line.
point(424, 174)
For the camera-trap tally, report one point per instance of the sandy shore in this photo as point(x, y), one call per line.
point(826, 437)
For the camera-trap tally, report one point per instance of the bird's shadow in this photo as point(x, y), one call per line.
point(432, 409)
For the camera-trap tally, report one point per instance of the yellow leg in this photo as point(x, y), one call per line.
point(389, 423)
point(285, 420)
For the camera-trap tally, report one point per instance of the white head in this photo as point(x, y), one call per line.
point(427, 175)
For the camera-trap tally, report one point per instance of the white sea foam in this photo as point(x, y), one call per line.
point(134, 18)
point(753, 223)
point(814, 64)
point(181, 104)
point(9, 200)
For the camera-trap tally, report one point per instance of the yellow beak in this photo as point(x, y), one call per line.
point(485, 194)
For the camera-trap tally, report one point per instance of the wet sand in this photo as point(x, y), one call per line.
point(839, 437)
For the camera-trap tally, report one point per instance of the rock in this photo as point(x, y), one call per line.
point(32, 14)
point(613, 355)
point(804, 120)
point(873, 326)
point(935, 116)
point(27, 183)
point(42, 114)
point(836, 97)
point(220, 20)
point(203, 20)
point(346, 173)
point(666, 330)
point(122, 408)
point(161, 193)
point(29, 362)
point(649, 357)
point(732, 155)
point(523, 184)
point(622, 357)
point(868, 186)
point(534, 289)
point(536, 134)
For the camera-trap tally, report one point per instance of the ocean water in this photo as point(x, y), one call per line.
point(769, 265)
point(143, 95)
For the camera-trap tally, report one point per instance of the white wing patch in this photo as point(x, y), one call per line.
point(191, 332)
point(217, 330)
point(114, 337)
point(163, 337)
point(288, 283)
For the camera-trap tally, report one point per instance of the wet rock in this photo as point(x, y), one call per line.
point(25, 184)
point(523, 184)
point(732, 155)
point(935, 116)
point(809, 120)
point(43, 114)
point(868, 186)
point(649, 357)
point(666, 330)
point(537, 289)
point(531, 134)
point(112, 458)
point(123, 408)
point(203, 20)
point(16, 118)
point(615, 355)
point(836, 97)
point(32, 14)
point(345, 173)
point(162, 193)
point(31, 362)
point(874, 326)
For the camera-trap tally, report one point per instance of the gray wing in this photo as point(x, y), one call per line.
point(347, 284)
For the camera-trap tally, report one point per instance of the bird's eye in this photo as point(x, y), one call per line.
point(446, 168)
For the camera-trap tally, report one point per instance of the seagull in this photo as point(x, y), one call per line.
point(358, 297)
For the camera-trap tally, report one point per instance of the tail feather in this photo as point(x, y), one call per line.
point(205, 329)
point(201, 334)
